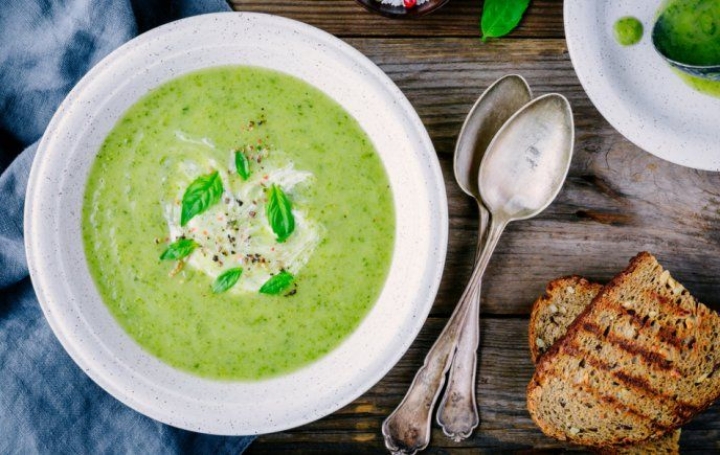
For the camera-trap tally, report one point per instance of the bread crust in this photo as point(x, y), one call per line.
point(558, 294)
point(667, 444)
point(664, 336)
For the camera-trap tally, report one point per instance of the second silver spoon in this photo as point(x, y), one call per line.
point(522, 171)
point(407, 429)
point(457, 413)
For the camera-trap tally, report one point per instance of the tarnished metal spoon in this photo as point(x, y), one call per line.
point(457, 413)
point(407, 429)
point(523, 170)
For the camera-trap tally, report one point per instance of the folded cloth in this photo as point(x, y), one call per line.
point(47, 404)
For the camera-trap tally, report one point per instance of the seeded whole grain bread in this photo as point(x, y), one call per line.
point(564, 299)
point(669, 444)
point(638, 362)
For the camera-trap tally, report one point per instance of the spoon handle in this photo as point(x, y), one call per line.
point(457, 413)
point(407, 429)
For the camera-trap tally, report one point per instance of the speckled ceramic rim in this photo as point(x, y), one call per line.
point(71, 302)
point(636, 90)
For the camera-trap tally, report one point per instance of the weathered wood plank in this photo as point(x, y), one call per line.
point(457, 18)
point(618, 199)
point(504, 371)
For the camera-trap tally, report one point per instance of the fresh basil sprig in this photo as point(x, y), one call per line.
point(279, 213)
point(500, 17)
point(226, 280)
point(242, 165)
point(179, 249)
point(203, 193)
point(278, 283)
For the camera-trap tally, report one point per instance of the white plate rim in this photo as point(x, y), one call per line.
point(672, 141)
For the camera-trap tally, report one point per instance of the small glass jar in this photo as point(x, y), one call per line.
point(404, 9)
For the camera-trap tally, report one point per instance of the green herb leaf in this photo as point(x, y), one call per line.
point(279, 213)
point(242, 165)
point(278, 283)
point(179, 249)
point(202, 194)
point(226, 280)
point(500, 17)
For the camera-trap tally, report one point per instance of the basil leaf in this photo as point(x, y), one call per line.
point(278, 283)
point(500, 17)
point(242, 165)
point(226, 280)
point(179, 249)
point(279, 213)
point(202, 194)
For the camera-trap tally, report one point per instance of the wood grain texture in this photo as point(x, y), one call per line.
point(504, 371)
point(617, 201)
point(457, 18)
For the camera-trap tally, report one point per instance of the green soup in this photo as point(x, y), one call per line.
point(706, 86)
point(688, 31)
point(628, 31)
point(259, 130)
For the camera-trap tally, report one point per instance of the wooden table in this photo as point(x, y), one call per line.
point(618, 200)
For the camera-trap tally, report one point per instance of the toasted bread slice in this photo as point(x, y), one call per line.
point(564, 299)
point(668, 444)
point(551, 314)
point(638, 362)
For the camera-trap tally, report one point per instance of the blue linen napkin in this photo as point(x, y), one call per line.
point(47, 404)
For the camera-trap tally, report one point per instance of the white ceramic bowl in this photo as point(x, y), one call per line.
point(72, 304)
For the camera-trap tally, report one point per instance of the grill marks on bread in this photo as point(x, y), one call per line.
point(548, 323)
point(564, 299)
point(635, 367)
point(611, 389)
point(648, 355)
point(650, 352)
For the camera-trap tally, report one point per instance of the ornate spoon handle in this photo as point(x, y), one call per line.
point(457, 413)
point(407, 429)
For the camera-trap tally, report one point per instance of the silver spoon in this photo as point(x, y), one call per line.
point(407, 429)
point(457, 413)
point(539, 131)
point(661, 37)
point(523, 169)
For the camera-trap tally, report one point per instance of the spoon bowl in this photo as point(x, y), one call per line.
point(521, 184)
point(494, 107)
